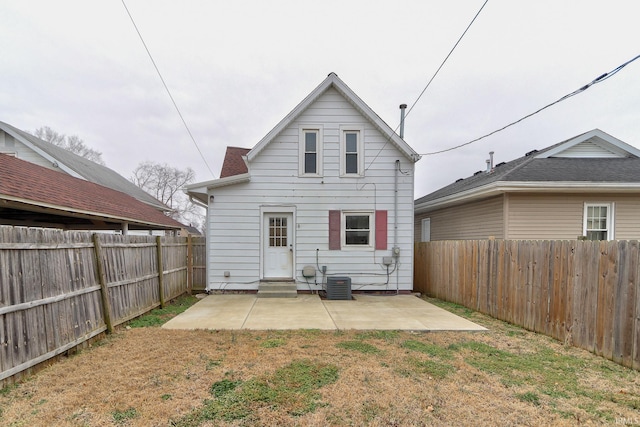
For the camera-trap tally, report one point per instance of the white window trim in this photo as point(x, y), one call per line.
point(301, 149)
point(610, 218)
point(425, 230)
point(343, 163)
point(372, 231)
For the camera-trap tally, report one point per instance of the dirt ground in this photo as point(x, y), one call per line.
point(153, 377)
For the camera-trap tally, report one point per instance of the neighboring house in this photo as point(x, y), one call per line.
point(34, 196)
point(330, 187)
point(585, 187)
point(27, 147)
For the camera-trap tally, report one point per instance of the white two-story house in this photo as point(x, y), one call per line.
point(328, 192)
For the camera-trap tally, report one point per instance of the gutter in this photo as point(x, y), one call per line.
point(501, 187)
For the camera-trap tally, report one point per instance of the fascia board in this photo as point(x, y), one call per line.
point(334, 81)
point(497, 188)
point(202, 187)
point(83, 213)
point(289, 118)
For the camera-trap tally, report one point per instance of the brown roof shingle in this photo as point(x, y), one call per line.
point(32, 183)
point(233, 162)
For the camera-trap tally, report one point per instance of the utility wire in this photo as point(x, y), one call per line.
point(167, 89)
point(431, 79)
point(600, 79)
point(445, 60)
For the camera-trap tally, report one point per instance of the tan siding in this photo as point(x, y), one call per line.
point(627, 217)
point(477, 220)
point(560, 216)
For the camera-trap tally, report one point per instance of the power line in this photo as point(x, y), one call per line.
point(431, 79)
point(445, 59)
point(600, 79)
point(167, 89)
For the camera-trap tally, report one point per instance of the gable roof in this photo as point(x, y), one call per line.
point(26, 187)
point(234, 163)
point(593, 160)
point(81, 167)
point(332, 81)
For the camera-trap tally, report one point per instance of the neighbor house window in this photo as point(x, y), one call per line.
point(598, 221)
point(351, 151)
point(358, 228)
point(426, 230)
point(310, 151)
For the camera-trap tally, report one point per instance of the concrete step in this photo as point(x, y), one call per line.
point(277, 290)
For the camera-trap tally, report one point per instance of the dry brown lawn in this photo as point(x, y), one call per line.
point(154, 377)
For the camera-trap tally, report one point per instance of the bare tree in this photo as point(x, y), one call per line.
point(71, 143)
point(165, 183)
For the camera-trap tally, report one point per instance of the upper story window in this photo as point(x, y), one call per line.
point(598, 221)
point(310, 151)
point(351, 151)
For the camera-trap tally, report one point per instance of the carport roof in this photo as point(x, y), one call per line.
point(31, 194)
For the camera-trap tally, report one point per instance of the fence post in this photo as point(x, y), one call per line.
point(160, 270)
point(189, 264)
point(102, 279)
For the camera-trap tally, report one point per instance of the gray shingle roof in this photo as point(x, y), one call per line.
point(532, 168)
point(91, 171)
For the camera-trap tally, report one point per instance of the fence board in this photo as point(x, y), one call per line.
point(580, 292)
point(50, 300)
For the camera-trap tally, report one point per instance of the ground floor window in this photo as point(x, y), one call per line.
point(357, 229)
point(598, 221)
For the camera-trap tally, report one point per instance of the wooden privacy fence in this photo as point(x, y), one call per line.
point(59, 289)
point(584, 293)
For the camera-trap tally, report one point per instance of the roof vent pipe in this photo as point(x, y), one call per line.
point(488, 166)
point(491, 158)
point(402, 108)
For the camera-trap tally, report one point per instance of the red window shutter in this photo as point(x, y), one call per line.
point(381, 229)
point(334, 230)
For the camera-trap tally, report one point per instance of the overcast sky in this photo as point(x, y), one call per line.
point(236, 68)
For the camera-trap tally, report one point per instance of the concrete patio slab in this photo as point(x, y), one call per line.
point(364, 312)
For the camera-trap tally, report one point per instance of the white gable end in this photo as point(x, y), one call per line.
point(591, 149)
point(592, 144)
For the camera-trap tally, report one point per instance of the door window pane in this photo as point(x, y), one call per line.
point(277, 232)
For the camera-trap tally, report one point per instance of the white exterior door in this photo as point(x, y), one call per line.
point(277, 246)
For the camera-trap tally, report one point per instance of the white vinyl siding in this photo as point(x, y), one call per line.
point(233, 228)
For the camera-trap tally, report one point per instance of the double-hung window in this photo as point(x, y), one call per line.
point(598, 221)
point(358, 229)
point(351, 150)
point(310, 147)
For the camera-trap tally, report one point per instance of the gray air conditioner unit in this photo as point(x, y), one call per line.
point(339, 288)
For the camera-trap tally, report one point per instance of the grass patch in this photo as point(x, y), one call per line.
point(359, 346)
point(433, 368)
point(121, 417)
point(292, 388)
point(529, 397)
point(273, 343)
point(160, 316)
point(428, 348)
